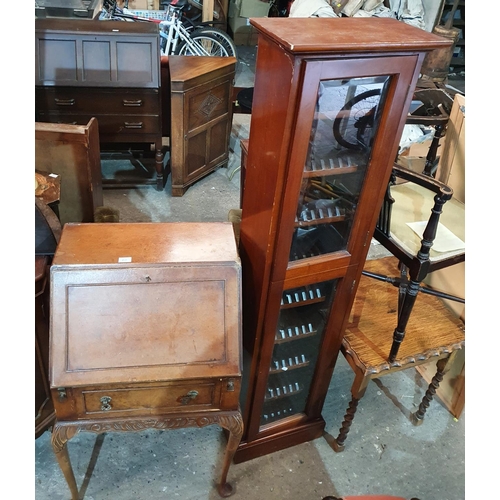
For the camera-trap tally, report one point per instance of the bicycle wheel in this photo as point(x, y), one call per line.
point(222, 36)
point(353, 126)
point(202, 44)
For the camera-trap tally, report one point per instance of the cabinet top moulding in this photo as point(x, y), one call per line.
point(346, 35)
point(83, 53)
point(94, 26)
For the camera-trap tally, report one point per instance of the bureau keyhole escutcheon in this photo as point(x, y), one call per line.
point(105, 403)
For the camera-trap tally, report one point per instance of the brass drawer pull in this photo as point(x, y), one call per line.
point(188, 397)
point(64, 102)
point(133, 125)
point(137, 102)
point(105, 400)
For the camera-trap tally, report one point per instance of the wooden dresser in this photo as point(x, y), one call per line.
point(104, 69)
point(201, 108)
point(145, 332)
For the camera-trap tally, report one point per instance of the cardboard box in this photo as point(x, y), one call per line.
point(141, 4)
point(451, 171)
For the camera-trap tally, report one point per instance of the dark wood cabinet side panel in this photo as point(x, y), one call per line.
point(265, 176)
point(72, 151)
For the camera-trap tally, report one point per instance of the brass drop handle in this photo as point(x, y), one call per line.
point(64, 102)
point(128, 102)
point(105, 406)
point(133, 124)
point(188, 397)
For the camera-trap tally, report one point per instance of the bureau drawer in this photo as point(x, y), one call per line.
point(109, 125)
point(97, 101)
point(144, 400)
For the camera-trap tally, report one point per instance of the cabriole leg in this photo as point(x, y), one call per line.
point(234, 424)
point(60, 437)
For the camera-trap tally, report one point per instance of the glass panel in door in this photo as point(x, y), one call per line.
point(346, 119)
point(303, 316)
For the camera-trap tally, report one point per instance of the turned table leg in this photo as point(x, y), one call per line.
point(60, 437)
point(159, 166)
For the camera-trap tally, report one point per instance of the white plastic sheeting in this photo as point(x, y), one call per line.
point(407, 11)
point(311, 8)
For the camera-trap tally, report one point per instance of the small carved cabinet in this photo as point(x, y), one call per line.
point(201, 111)
point(145, 332)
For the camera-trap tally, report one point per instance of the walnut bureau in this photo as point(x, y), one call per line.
point(145, 332)
point(104, 69)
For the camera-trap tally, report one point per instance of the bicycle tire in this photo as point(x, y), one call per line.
point(355, 139)
point(223, 37)
point(212, 45)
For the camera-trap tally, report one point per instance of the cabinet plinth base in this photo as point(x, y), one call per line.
point(248, 450)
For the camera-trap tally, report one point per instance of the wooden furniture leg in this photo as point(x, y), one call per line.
point(443, 365)
point(358, 390)
point(234, 424)
point(61, 434)
point(230, 420)
point(159, 165)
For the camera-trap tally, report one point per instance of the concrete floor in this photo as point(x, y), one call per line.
point(385, 453)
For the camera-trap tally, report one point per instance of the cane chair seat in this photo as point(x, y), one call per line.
point(433, 331)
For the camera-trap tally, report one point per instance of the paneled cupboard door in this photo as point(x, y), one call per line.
point(326, 122)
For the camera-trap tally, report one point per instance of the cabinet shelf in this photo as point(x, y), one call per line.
point(319, 220)
point(289, 334)
point(278, 415)
point(301, 297)
point(288, 367)
point(330, 170)
point(282, 392)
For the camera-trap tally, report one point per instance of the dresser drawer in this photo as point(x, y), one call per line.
point(109, 125)
point(88, 100)
point(168, 397)
point(123, 400)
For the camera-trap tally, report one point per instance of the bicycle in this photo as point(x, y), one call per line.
point(175, 38)
point(193, 23)
point(353, 126)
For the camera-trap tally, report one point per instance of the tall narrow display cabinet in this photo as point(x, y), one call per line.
point(329, 106)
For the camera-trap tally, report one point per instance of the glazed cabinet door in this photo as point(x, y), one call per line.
point(349, 114)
